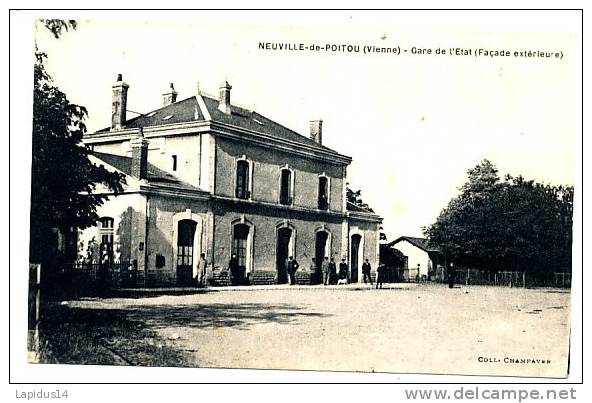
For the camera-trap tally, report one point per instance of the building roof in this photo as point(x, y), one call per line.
point(154, 175)
point(189, 110)
point(422, 243)
point(354, 207)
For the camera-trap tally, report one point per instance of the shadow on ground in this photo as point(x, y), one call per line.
point(218, 315)
point(150, 293)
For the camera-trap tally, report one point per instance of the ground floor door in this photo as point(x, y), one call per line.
point(282, 252)
point(320, 253)
point(185, 252)
point(355, 257)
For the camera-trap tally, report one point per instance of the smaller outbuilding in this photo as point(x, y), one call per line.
point(422, 259)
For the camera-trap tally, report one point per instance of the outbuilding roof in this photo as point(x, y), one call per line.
point(154, 175)
point(422, 243)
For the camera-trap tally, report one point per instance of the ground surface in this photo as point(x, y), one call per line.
point(408, 328)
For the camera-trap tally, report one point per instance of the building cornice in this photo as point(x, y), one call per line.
point(172, 191)
point(364, 216)
point(157, 189)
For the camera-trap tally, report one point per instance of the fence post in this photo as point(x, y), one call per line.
point(524, 279)
point(34, 312)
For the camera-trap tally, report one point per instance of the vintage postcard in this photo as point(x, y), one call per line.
point(371, 191)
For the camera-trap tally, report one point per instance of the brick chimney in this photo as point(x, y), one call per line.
point(316, 131)
point(170, 96)
point(139, 156)
point(119, 104)
point(224, 105)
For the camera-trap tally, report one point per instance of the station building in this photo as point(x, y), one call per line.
point(206, 176)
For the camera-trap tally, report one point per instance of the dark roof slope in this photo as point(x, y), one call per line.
point(421, 243)
point(178, 112)
point(155, 175)
point(252, 120)
point(185, 111)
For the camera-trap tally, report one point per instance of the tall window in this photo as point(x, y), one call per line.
point(239, 243)
point(174, 162)
point(106, 237)
point(242, 179)
point(286, 187)
point(323, 193)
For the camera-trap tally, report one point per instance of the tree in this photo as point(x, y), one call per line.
point(355, 198)
point(512, 224)
point(62, 176)
point(391, 257)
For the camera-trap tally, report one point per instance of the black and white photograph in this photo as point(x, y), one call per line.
point(354, 191)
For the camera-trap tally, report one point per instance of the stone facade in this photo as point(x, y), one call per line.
point(264, 194)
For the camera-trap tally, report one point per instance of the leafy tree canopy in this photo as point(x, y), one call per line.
point(509, 224)
point(391, 257)
point(62, 176)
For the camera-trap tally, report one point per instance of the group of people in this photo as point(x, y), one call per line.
point(326, 273)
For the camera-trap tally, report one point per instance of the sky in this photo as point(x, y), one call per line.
point(413, 123)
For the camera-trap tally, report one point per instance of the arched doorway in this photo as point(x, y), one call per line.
point(186, 251)
point(240, 247)
point(322, 250)
point(284, 238)
point(356, 257)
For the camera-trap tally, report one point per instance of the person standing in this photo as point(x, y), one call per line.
point(332, 272)
point(343, 270)
point(312, 271)
point(366, 271)
point(380, 273)
point(292, 268)
point(201, 271)
point(451, 276)
point(233, 270)
point(326, 271)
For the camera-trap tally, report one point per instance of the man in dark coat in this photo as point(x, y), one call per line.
point(234, 270)
point(292, 267)
point(312, 271)
point(332, 272)
point(366, 272)
point(343, 269)
point(380, 274)
point(451, 276)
